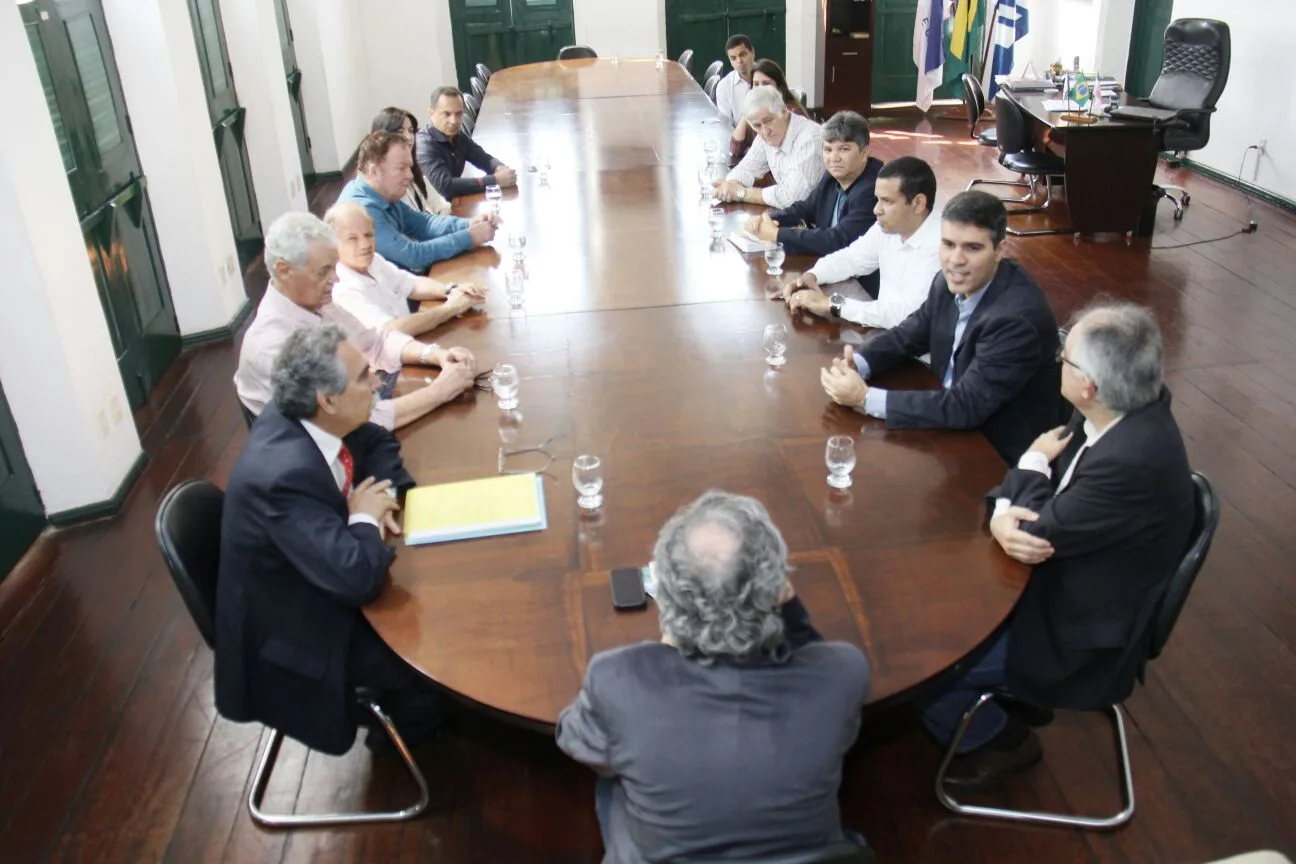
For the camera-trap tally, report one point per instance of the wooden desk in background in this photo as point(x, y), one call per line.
point(1110, 165)
point(642, 343)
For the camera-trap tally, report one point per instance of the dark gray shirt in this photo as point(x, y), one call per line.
point(718, 761)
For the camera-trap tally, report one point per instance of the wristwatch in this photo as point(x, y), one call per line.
point(426, 354)
point(835, 303)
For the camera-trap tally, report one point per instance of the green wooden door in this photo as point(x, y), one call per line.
point(22, 516)
point(705, 26)
point(75, 62)
point(895, 77)
point(294, 77)
point(227, 118)
point(503, 33)
point(1147, 44)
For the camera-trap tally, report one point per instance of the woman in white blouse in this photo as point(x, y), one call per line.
point(421, 195)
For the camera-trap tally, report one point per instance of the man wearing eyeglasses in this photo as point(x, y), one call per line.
point(991, 335)
point(1103, 509)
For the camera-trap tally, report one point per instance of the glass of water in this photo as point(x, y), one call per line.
point(774, 260)
point(514, 286)
point(661, 60)
point(542, 166)
point(716, 219)
point(517, 242)
point(711, 149)
point(840, 458)
point(493, 196)
point(587, 477)
point(776, 338)
point(504, 381)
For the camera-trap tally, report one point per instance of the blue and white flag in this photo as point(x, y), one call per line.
point(1011, 22)
point(929, 49)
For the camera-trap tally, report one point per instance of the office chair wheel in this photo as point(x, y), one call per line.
point(1186, 199)
point(1178, 214)
point(1075, 238)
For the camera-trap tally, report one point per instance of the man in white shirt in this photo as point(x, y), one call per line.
point(733, 88)
point(377, 292)
point(903, 247)
point(301, 255)
point(787, 146)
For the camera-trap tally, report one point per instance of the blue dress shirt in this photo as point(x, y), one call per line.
point(875, 399)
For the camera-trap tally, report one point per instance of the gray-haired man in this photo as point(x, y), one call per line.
point(787, 146)
point(726, 738)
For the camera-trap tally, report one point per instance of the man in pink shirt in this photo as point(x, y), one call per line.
point(301, 255)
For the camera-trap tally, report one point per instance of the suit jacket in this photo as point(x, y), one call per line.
point(1005, 370)
point(815, 212)
point(1079, 635)
point(293, 576)
point(720, 761)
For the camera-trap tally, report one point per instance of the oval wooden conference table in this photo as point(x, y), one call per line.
point(641, 342)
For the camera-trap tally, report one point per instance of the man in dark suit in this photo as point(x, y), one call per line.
point(1105, 528)
point(991, 335)
point(302, 550)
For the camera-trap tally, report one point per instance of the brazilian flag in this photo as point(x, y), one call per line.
point(1080, 93)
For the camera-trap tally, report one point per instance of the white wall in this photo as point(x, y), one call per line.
point(419, 56)
point(338, 66)
point(628, 28)
point(178, 154)
point(252, 37)
point(1257, 103)
point(56, 358)
point(805, 47)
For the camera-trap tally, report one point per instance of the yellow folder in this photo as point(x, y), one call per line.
point(508, 504)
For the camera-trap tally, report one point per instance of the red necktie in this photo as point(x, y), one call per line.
point(348, 465)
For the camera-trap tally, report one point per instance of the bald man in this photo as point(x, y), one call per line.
point(379, 293)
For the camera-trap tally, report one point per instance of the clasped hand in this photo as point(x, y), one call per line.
point(372, 499)
point(842, 382)
point(727, 190)
point(1019, 545)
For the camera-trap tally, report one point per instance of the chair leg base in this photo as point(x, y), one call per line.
point(265, 765)
point(1032, 816)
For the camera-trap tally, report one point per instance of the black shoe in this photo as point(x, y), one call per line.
point(989, 765)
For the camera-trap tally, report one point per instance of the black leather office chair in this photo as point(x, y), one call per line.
point(478, 87)
point(686, 60)
point(1015, 143)
point(716, 69)
point(1193, 75)
point(974, 98)
point(484, 72)
point(1172, 603)
point(576, 52)
point(188, 528)
point(712, 82)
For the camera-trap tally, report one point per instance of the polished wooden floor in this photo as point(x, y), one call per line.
point(111, 750)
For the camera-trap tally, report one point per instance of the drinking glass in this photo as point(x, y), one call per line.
point(517, 242)
point(493, 196)
point(840, 458)
point(661, 60)
point(774, 260)
point(716, 219)
point(587, 477)
point(704, 181)
point(776, 345)
point(514, 285)
point(712, 150)
point(616, 59)
point(504, 381)
point(542, 166)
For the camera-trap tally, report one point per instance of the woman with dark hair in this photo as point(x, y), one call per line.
point(421, 195)
point(766, 73)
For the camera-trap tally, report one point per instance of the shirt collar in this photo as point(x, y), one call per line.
point(928, 231)
point(328, 443)
point(1091, 433)
point(968, 302)
point(285, 308)
point(794, 131)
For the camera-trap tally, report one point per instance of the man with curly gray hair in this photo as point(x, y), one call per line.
point(726, 738)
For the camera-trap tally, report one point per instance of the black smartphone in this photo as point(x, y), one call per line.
point(628, 588)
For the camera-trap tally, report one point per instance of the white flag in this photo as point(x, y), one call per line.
point(929, 49)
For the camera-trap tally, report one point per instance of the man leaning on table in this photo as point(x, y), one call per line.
point(301, 255)
point(407, 238)
point(894, 261)
point(443, 149)
point(302, 550)
point(991, 335)
point(1102, 508)
point(378, 293)
point(787, 146)
point(840, 209)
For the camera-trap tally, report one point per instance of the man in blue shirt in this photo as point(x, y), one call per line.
point(409, 239)
point(840, 209)
point(992, 337)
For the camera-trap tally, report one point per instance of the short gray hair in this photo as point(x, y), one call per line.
point(291, 236)
point(1118, 345)
point(308, 365)
point(846, 126)
point(341, 210)
point(714, 605)
point(760, 99)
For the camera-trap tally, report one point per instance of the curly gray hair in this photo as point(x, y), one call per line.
point(308, 365)
point(721, 566)
point(846, 126)
point(291, 236)
point(1118, 345)
point(760, 99)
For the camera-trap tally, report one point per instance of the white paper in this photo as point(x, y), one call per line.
point(747, 243)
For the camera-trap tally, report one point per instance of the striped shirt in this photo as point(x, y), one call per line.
point(731, 90)
point(797, 163)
